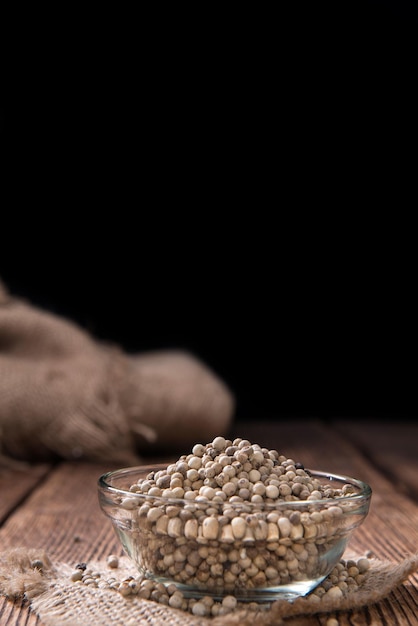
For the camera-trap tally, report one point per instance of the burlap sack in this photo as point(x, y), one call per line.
point(64, 394)
point(60, 602)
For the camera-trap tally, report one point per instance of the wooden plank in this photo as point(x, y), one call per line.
point(16, 482)
point(16, 614)
point(390, 446)
point(63, 517)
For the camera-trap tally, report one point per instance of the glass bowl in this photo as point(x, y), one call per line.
point(254, 551)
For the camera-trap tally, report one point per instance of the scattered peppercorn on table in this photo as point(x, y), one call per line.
point(55, 506)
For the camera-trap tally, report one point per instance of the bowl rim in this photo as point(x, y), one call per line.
point(364, 493)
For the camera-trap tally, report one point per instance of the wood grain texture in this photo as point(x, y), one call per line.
point(15, 484)
point(57, 508)
point(390, 446)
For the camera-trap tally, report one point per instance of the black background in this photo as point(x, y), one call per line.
point(244, 191)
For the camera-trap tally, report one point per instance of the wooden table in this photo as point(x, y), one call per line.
point(55, 506)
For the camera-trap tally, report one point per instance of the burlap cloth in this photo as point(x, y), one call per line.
point(64, 394)
point(59, 601)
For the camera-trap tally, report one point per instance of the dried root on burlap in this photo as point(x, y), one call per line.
point(64, 394)
point(58, 601)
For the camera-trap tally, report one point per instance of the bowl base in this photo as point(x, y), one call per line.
point(288, 592)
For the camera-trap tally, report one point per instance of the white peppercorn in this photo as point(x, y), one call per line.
point(77, 574)
point(112, 561)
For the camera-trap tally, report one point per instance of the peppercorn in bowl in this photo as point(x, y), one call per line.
point(233, 518)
